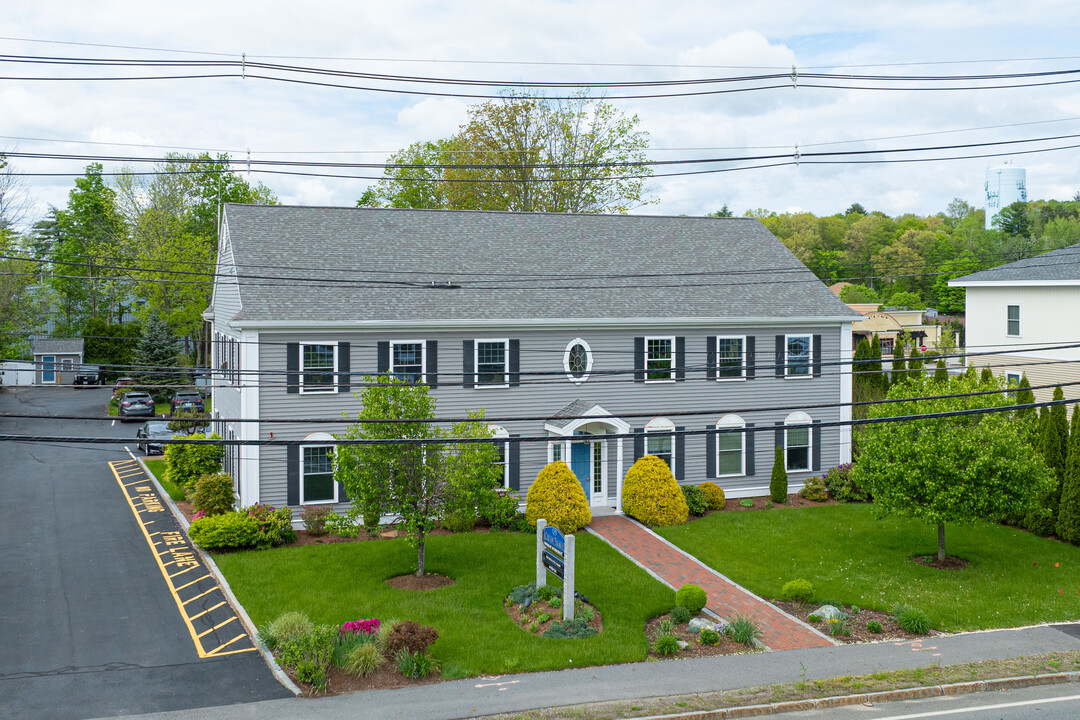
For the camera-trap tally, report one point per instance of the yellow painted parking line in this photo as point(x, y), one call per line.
point(145, 502)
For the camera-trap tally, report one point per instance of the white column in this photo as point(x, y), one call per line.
point(619, 477)
point(568, 580)
point(846, 379)
point(541, 571)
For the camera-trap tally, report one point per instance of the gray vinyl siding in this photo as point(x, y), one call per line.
point(542, 351)
point(226, 291)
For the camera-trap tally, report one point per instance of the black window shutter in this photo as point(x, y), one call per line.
point(383, 357)
point(751, 357)
point(680, 358)
point(639, 359)
point(513, 449)
point(680, 454)
point(292, 367)
point(344, 366)
point(816, 441)
point(779, 434)
point(710, 360)
point(749, 441)
point(431, 356)
point(639, 443)
point(710, 451)
point(292, 474)
point(781, 356)
point(817, 356)
point(515, 363)
point(468, 377)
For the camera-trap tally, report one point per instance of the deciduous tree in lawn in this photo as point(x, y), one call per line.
point(953, 469)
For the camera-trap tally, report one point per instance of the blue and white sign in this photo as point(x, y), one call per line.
point(553, 538)
point(555, 555)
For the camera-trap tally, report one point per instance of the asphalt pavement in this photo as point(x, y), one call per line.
point(88, 625)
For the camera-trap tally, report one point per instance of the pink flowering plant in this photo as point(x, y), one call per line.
point(357, 627)
point(198, 516)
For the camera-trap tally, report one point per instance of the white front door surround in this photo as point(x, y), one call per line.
point(590, 429)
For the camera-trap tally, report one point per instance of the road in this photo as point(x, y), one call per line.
point(88, 624)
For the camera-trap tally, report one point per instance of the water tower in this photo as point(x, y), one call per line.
point(1005, 185)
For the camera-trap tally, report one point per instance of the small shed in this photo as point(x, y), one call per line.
point(56, 360)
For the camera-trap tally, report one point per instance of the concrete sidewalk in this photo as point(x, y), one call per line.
point(517, 693)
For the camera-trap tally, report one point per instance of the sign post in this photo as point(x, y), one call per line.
point(555, 554)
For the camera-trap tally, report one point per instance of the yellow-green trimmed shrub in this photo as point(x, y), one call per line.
point(651, 494)
point(691, 597)
point(714, 494)
point(557, 496)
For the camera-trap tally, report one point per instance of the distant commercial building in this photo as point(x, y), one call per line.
point(1005, 185)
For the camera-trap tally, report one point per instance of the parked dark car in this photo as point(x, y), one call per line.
point(187, 401)
point(136, 404)
point(150, 436)
point(88, 375)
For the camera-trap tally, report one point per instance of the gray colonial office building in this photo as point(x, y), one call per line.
point(591, 339)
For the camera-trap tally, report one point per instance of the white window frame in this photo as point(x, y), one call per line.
point(800, 418)
point(743, 363)
point(588, 361)
point(809, 358)
point(423, 358)
point(499, 432)
point(1012, 380)
point(321, 389)
point(476, 363)
point(674, 359)
point(724, 423)
point(303, 484)
point(1009, 321)
point(661, 426)
point(552, 446)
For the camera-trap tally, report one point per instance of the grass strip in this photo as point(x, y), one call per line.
point(932, 675)
point(157, 468)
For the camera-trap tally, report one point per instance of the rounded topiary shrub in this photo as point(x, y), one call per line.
point(229, 531)
point(696, 502)
point(557, 496)
point(714, 494)
point(651, 494)
point(691, 597)
point(798, 590)
point(213, 494)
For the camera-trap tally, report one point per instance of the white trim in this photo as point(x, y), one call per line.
point(1008, 321)
point(498, 431)
point(1013, 283)
point(514, 324)
point(476, 363)
point(809, 358)
point(423, 357)
point(249, 408)
point(716, 360)
point(732, 421)
point(661, 425)
point(322, 390)
point(799, 418)
point(588, 361)
point(844, 431)
point(674, 359)
point(593, 414)
point(333, 483)
point(55, 370)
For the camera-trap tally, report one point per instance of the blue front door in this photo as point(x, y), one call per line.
point(579, 463)
point(48, 369)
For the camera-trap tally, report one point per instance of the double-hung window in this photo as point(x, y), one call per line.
point(660, 441)
point(317, 475)
point(660, 359)
point(317, 368)
point(730, 453)
point(491, 363)
point(1013, 320)
point(730, 357)
point(797, 439)
point(407, 361)
point(799, 348)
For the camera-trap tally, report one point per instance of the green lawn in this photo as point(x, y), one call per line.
point(157, 467)
point(852, 557)
point(341, 582)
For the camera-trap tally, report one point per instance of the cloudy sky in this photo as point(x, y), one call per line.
point(563, 41)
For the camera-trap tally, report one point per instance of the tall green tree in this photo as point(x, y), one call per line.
point(948, 470)
point(1024, 396)
point(1053, 445)
point(156, 358)
point(1068, 519)
point(778, 481)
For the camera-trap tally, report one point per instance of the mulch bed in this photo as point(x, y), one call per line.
point(429, 581)
point(856, 625)
point(527, 619)
point(951, 562)
point(727, 646)
point(385, 678)
point(765, 503)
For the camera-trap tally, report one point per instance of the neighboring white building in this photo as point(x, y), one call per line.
point(1005, 185)
point(1028, 309)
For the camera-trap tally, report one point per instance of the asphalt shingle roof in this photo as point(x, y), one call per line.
point(1063, 264)
point(570, 413)
point(367, 264)
point(61, 346)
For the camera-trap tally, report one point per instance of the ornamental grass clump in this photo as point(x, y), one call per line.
point(557, 497)
point(743, 629)
point(363, 660)
point(912, 619)
point(651, 494)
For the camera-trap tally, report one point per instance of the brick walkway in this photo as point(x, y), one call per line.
point(780, 631)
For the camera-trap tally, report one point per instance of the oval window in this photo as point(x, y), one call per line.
point(578, 360)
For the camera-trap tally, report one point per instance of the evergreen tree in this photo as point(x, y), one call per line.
point(156, 357)
point(778, 481)
point(878, 378)
point(1068, 523)
point(860, 382)
point(986, 376)
point(971, 374)
point(1052, 441)
point(915, 364)
point(1024, 396)
point(899, 363)
point(941, 375)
